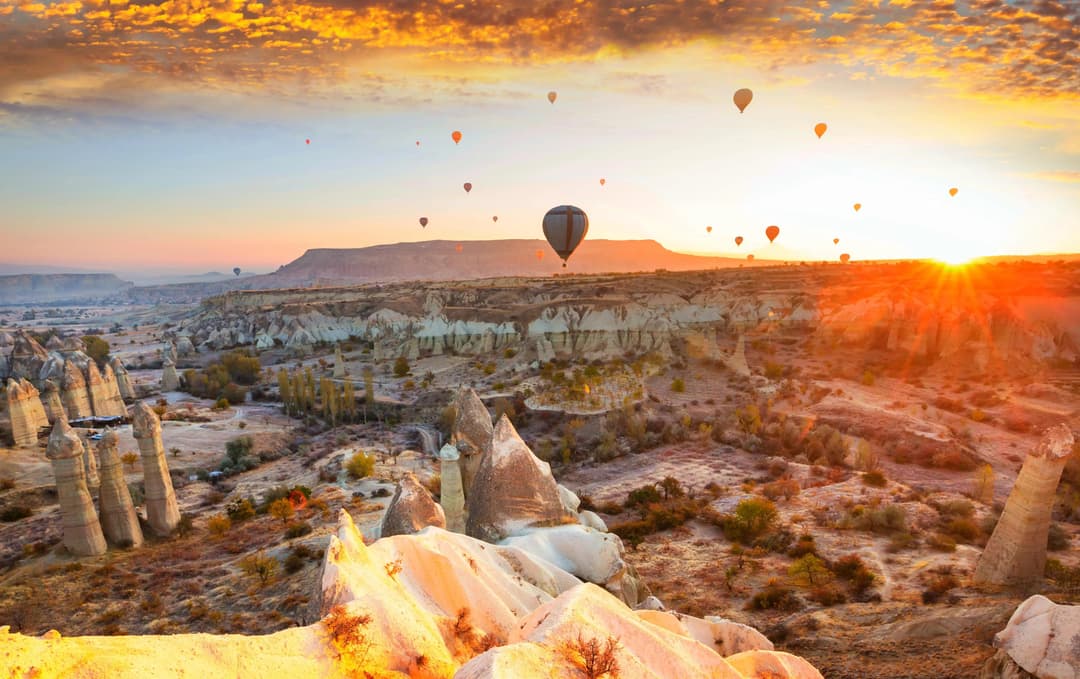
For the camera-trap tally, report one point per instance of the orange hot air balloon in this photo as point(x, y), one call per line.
point(819, 129)
point(565, 227)
point(552, 95)
point(708, 229)
point(835, 241)
point(539, 255)
point(858, 206)
point(423, 221)
point(772, 232)
point(738, 240)
point(468, 186)
point(742, 98)
point(602, 181)
point(456, 136)
point(953, 190)
point(844, 258)
point(495, 218)
point(749, 258)
point(458, 247)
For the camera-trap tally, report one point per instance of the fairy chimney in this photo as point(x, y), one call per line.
point(82, 531)
point(162, 512)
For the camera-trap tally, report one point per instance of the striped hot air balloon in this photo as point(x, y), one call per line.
point(565, 227)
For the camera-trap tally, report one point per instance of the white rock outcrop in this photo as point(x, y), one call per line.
point(1043, 638)
point(411, 509)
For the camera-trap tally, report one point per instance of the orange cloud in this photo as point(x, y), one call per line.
point(1066, 176)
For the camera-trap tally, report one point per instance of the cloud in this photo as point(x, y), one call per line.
point(1065, 176)
point(1027, 49)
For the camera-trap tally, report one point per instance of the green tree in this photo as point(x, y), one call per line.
point(810, 570)
point(97, 349)
point(281, 509)
point(360, 465)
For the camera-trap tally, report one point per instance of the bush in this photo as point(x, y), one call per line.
point(297, 529)
point(784, 488)
point(15, 513)
point(219, 525)
point(804, 546)
point(941, 542)
point(962, 529)
point(939, 586)
point(887, 519)
point(810, 570)
point(1056, 538)
point(221, 404)
point(678, 385)
point(875, 479)
point(774, 597)
point(752, 518)
point(360, 466)
point(852, 569)
point(827, 595)
point(97, 349)
point(240, 509)
point(259, 566)
point(401, 367)
point(645, 495)
point(281, 509)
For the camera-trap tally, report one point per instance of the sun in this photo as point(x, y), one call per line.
point(955, 259)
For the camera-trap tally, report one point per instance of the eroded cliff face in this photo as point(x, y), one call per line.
point(982, 323)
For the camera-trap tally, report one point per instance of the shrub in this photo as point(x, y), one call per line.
point(752, 518)
point(297, 529)
point(15, 513)
point(1056, 538)
point(678, 385)
point(805, 545)
point(827, 595)
point(868, 378)
point(97, 349)
point(983, 484)
point(875, 479)
point(282, 509)
point(642, 496)
point(941, 542)
point(221, 404)
point(977, 415)
point(774, 596)
point(240, 509)
point(887, 519)
point(592, 658)
point(219, 525)
point(852, 569)
point(962, 529)
point(401, 367)
point(130, 459)
point(784, 488)
point(361, 465)
point(293, 563)
point(347, 634)
point(259, 566)
point(939, 586)
point(810, 570)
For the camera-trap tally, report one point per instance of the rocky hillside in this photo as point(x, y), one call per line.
point(38, 288)
point(1011, 317)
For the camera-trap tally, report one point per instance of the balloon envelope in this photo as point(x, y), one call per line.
point(858, 206)
point(307, 141)
point(539, 255)
point(236, 271)
point(456, 136)
point(602, 181)
point(423, 221)
point(495, 218)
point(552, 95)
point(738, 240)
point(458, 247)
point(819, 129)
point(772, 232)
point(835, 241)
point(749, 258)
point(468, 186)
point(845, 257)
point(708, 229)
point(952, 191)
point(417, 142)
point(565, 227)
point(742, 98)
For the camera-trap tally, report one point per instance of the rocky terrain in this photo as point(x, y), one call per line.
point(68, 287)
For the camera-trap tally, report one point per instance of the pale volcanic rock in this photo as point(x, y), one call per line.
point(170, 381)
point(162, 511)
point(50, 398)
point(119, 522)
point(339, 362)
point(90, 464)
point(123, 379)
point(1015, 555)
point(1043, 638)
point(725, 636)
point(103, 393)
point(570, 500)
point(74, 394)
point(114, 401)
point(451, 493)
point(513, 489)
point(184, 347)
point(411, 509)
point(592, 520)
point(471, 433)
point(26, 413)
point(27, 357)
point(82, 532)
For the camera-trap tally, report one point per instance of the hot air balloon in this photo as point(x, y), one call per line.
point(551, 96)
point(468, 186)
point(417, 142)
point(835, 241)
point(458, 247)
point(742, 98)
point(844, 258)
point(953, 190)
point(819, 129)
point(772, 232)
point(236, 271)
point(858, 206)
point(456, 136)
point(749, 258)
point(495, 218)
point(602, 181)
point(565, 227)
point(539, 255)
point(738, 240)
point(423, 221)
point(307, 141)
point(708, 229)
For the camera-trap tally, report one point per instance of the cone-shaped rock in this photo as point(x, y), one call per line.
point(170, 381)
point(411, 510)
point(162, 512)
point(26, 413)
point(451, 495)
point(50, 398)
point(1015, 556)
point(513, 489)
point(339, 362)
point(82, 532)
point(27, 357)
point(119, 522)
point(90, 466)
point(471, 433)
point(123, 379)
point(114, 402)
point(73, 393)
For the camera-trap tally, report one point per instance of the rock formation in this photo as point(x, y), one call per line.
point(452, 494)
point(90, 465)
point(513, 489)
point(411, 509)
point(170, 381)
point(1042, 639)
point(104, 394)
point(26, 413)
point(73, 393)
point(184, 347)
point(471, 433)
point(168, 352)
point(162, 512)
point(123, 379)
point(50, 398)
point(82, 532)
point(1015, 556)
point(339, 362)
point(119, 522)
point(114, 401)
point(27, 357)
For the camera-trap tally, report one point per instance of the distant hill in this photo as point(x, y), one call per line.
point(64, 287)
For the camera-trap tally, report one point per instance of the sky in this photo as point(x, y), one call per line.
point(171, 135)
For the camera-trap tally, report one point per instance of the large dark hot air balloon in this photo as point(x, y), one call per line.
point(742, 98)
point(819, 129)
point(236, 271)
point(423, 221)
point(456, 136)
point(844, 258)
point(738, 240)
point(468, 187)
point(565, 227)
point(772, 232)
